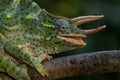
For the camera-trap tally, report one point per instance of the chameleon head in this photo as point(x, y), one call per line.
point(67, 34)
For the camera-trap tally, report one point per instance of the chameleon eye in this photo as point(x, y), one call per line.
point(62, 28)
point(62, 24)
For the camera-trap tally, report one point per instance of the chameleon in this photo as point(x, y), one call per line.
point(28, 34)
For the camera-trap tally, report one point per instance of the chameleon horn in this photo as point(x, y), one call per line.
point(84, 19)
point(94, 30)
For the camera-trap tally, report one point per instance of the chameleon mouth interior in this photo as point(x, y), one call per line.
point(73, 38)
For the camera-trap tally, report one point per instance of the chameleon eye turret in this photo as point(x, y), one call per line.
point(28, 34)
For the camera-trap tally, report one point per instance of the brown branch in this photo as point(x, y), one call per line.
point(87, 63)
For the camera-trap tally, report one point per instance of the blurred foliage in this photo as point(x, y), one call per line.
point(107, 39)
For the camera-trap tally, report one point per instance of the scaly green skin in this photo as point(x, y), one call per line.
point(28, 34)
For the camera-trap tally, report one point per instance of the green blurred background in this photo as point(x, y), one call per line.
point(107, 39)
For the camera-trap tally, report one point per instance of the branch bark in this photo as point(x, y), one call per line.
point(76, 65)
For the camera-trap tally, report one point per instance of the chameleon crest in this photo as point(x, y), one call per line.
point(28, 34)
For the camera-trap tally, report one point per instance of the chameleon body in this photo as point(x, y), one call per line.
point(28, 34)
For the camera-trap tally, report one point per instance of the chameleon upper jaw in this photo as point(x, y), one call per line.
point(73, 38)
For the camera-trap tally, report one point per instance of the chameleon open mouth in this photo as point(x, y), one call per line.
point(73, 38)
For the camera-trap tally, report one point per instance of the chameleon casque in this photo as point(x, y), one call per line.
point(28, 34)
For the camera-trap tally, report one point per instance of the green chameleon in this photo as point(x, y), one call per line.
point(28, 34)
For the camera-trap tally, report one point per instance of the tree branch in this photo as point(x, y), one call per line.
point(87, 63)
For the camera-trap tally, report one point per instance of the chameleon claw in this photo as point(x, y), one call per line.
point(85, 19)
point(46, 75)
point(48, 58)
point(94, 30)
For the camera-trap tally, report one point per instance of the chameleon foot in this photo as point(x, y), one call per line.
point(47, 58)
